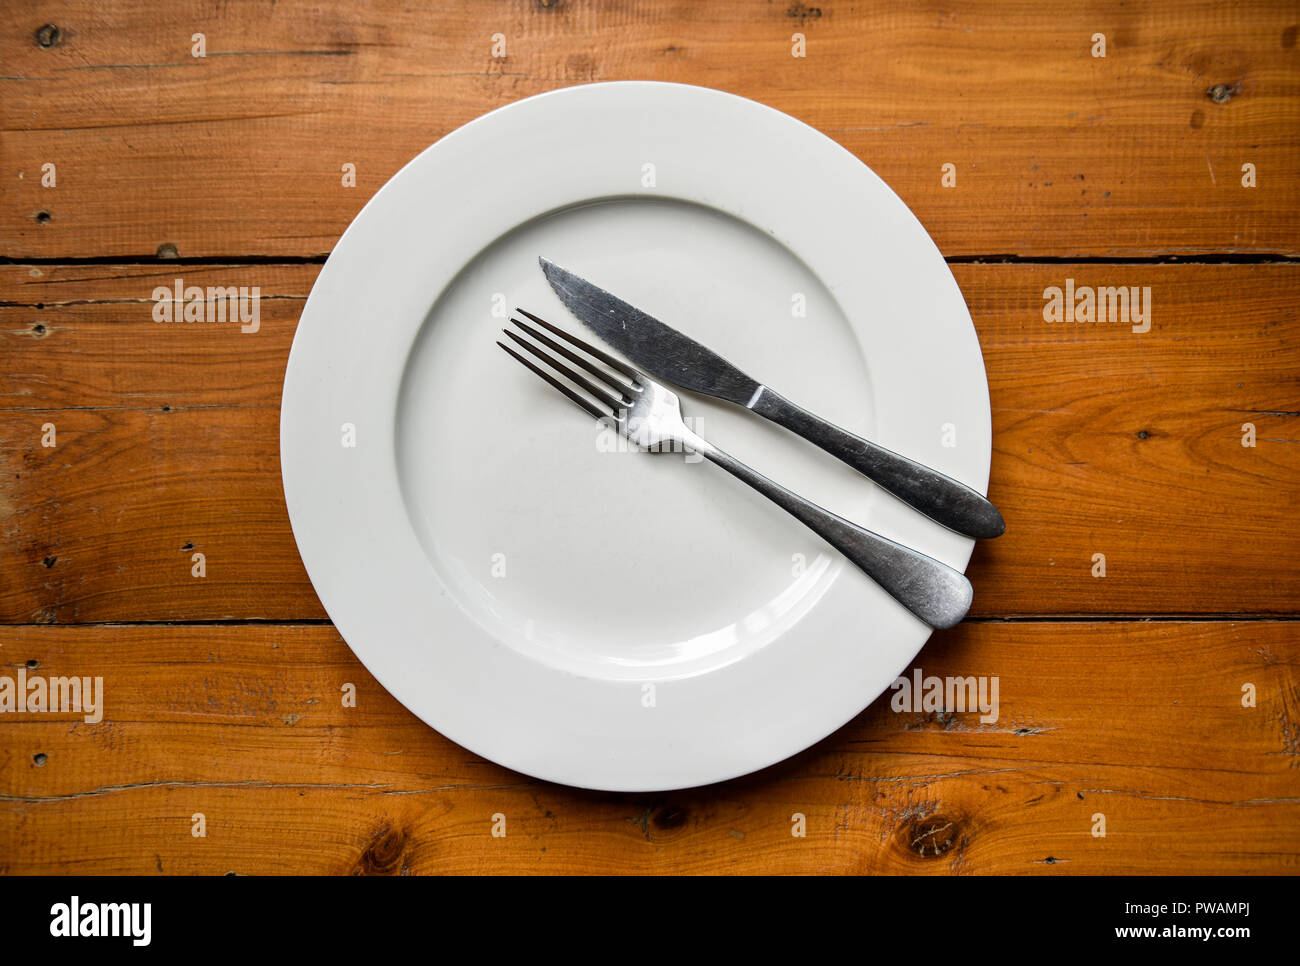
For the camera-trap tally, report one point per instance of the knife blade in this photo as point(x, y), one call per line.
point(676, 358)
point(658, 348)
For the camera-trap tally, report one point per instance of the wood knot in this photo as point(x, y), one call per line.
point(1221, 93)
point(802, 12)
point(383, 855)
point(48, 36)
point(932, 837)
point(667, 819)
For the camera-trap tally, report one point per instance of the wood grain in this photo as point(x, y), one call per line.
point(1056, 152)
point(1107, 442)
point(1142, 723)
point(1120, 696)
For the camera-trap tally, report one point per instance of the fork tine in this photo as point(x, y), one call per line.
point(586, 404)
point(600, 392)
point(591, 350)
point(612, 382)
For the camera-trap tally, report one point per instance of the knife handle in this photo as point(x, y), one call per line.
point(939, 497)
point(930, 589)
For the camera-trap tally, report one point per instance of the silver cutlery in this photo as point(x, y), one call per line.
point(649, 415)
point(668, 354)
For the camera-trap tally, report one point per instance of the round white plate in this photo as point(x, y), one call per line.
point(536, 593)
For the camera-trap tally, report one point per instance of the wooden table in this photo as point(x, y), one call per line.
point(1159, 700)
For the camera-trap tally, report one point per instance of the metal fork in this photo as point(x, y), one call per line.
point(650, 416)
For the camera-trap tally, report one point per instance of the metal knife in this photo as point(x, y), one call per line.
point(676, 358)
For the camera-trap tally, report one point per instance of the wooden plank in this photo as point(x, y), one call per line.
point(106, 525)
point(84, 337)
point(1130, 445)
point(1140, 722)
point(168, 445)
point(1056, 151)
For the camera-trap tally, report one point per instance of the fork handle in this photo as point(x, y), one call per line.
point(939, 497)
point(931, 590)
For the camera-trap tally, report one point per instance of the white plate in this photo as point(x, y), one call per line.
point(619, 620)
